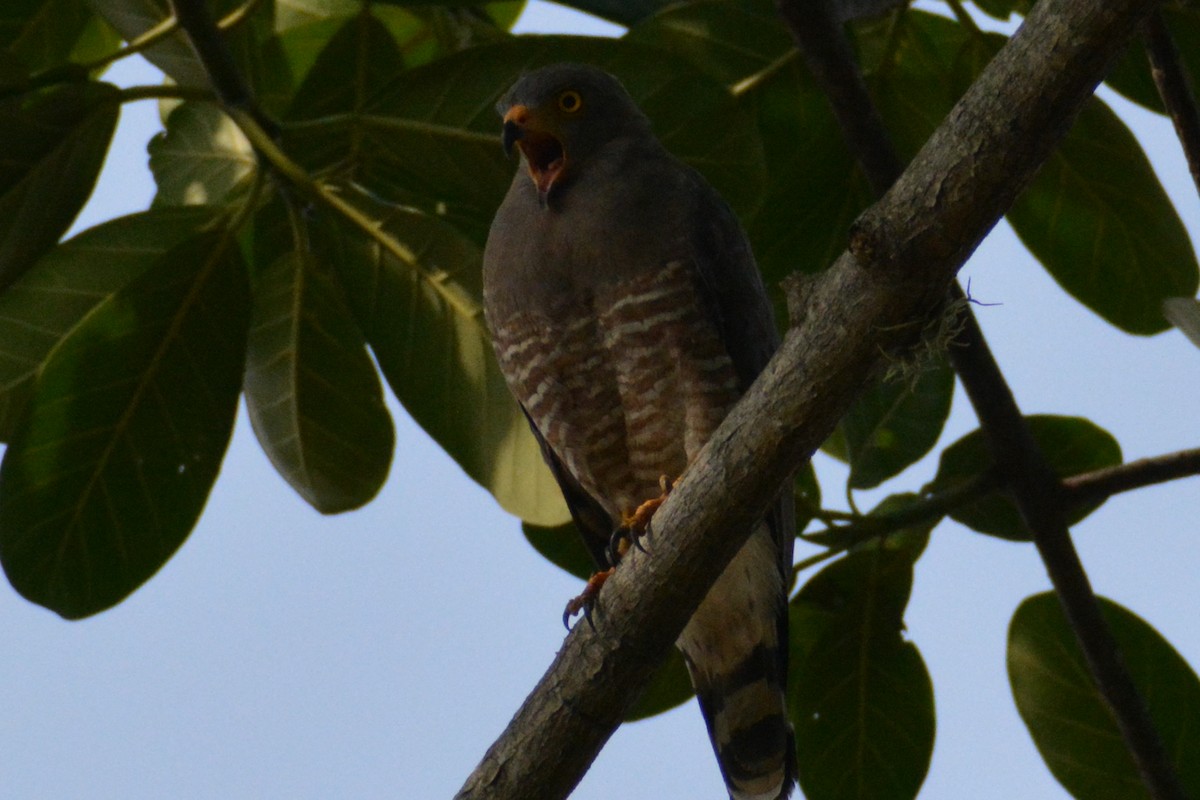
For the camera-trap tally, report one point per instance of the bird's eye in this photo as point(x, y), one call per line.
point(570, 101)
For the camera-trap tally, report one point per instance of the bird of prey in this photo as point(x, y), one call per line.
point(628, 317)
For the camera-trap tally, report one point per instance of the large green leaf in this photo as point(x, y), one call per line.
point(1095, 215)
point(1098, 219)
point(129, 421)
point(861, 698)
point(314, 396)
point(1070, 723)
point(895, 423)
point(431, 138)
point(419, 306)
point(201, 158)
point(1071, 445)
point(813, 189)
point(54, 142)
point(69, 282)
point(47, 33)
point(362, 41)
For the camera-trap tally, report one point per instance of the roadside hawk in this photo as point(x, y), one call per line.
point(628, 317)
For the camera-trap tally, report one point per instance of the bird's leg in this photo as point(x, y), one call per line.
point(586, 600)
point(636, 524)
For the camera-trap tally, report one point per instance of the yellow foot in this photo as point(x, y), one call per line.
point(636, 524)
point(586, 600)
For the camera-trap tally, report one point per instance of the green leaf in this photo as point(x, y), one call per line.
point(1098, 219)
point(1070, 723)
point(420, 308)
point(1072, 445)
point(172, 54)
point(314, 397)
point(44, 34)
point(69, 283)
point(201, 158)
point(54, 142)
point(431, 139)
point(813, 189)
point(361, 41)
point(671, 686)
point(1184, 313)
point(861, 698)
point(561, 545)
point(895, 423)
point(130, 418)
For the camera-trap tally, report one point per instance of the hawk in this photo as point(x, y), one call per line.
point(628, 317)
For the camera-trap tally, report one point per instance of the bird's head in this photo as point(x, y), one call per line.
point(559, 116)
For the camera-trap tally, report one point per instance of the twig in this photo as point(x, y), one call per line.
point(1085, 487)
point(1176, 90)
point(1102, 483)
point(1020, 464)
point(969, 173)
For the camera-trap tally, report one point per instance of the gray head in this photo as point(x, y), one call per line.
point(560, 115)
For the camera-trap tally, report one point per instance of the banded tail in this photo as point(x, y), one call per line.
point(735, 649)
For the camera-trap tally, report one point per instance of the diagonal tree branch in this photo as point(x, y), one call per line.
point(873, 301)
point(1021, 467)
point(1176, 90)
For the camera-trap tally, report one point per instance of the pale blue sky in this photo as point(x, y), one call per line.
point(282, 654)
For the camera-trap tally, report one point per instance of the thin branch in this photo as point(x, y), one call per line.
point(1176, 89)
point(1042, 502)
point(1080, 489)
point(1092, 486)
point(909, 246)
point(1020, 464)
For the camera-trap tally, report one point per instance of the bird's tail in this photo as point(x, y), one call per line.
point(734, 647)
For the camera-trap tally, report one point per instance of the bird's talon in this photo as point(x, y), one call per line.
point(586, 600)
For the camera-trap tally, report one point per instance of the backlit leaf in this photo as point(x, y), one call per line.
point(895, 423)
point(312, 390)
point(68, 283)
point(54, 142)
point(420, 308)
point(128, 424)
point(201, 158)
point(861, 698)
point(1071, 724)
point(1072, 445)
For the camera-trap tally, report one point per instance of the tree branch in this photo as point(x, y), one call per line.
point(1020, 464)
point(1103, 483)
point(223, 73)
point(873, 301)
point(1080, 489)
point(1175, 89)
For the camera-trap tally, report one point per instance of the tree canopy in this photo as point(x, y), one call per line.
point(325, 181)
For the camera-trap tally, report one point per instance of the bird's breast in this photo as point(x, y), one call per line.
point(625, 381)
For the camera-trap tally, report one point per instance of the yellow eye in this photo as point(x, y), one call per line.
point(570, 101)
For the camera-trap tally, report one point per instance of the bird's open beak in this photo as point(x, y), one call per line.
point(543, 151)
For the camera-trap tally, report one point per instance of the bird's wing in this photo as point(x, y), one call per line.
point(733, 294)
point(593, 522)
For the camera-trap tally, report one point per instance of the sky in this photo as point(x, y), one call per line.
point(282, 654)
